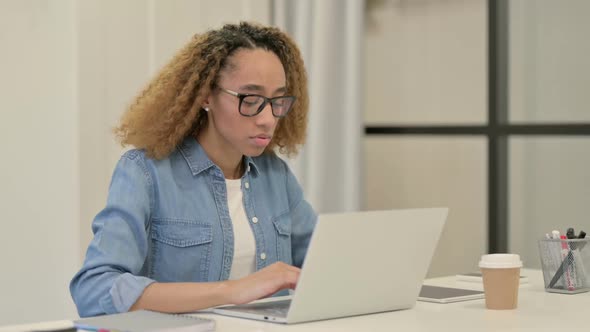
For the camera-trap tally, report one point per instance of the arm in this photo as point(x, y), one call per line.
point(110, 281)
point(189, 297)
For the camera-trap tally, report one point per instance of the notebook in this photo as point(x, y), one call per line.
point(146, 321)
point(476, 277)
point(357, 263)
point(52, 326)
point(439, 294)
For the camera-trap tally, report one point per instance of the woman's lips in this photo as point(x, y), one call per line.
point(261, 140)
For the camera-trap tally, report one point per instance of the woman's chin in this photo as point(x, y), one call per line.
point(254, 151)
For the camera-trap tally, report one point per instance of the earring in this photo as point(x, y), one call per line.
point(206, 109)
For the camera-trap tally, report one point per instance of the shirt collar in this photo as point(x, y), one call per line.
point(197, 158)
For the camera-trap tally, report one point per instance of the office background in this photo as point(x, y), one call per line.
point(69, 68)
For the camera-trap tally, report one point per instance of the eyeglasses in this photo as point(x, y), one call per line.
point(252, 104)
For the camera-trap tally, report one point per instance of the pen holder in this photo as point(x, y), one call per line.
point(565, 264)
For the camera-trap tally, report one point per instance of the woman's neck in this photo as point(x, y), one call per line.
point(231, 165)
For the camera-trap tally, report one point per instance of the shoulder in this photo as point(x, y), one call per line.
point(134, 154)
point(133, 161)
point(139, 156)
point(170, 169)
point(135, 157)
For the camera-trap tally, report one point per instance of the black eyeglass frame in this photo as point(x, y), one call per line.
point(266, 101)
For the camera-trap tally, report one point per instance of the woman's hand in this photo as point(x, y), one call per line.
point(193, 296)
point(263, 283)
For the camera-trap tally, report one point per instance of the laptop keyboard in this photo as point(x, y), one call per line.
point(274, 308)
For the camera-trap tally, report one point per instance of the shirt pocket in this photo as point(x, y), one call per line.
point(181, 250)
point(282, 224)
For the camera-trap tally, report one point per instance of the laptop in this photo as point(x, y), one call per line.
point(357, 263)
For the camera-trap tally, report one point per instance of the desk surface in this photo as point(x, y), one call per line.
point(537, 311)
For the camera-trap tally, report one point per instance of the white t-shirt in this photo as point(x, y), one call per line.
point(244, 261)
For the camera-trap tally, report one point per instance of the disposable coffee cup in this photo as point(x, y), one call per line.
point(501, 274)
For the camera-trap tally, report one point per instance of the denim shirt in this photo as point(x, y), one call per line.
point(168, 221)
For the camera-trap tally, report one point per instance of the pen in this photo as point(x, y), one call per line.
point(579, 245)
point(581, 272)
point(560, 270)
point(570, 233)
point(569, 258)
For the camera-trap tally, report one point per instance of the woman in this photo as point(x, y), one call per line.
point(202, 212)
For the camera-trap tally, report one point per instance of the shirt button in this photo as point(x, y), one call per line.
point(247, 185)
point(263, 256)
point(248, 169)
point(255, 220)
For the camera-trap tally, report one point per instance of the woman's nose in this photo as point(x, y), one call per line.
point(265, 117)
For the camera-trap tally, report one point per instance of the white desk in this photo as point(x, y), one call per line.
point(537, 311)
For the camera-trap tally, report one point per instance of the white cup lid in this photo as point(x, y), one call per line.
point(500, 261)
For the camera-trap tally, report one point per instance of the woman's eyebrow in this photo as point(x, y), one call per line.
point(252, 88)
point(281, 90)
point(259, 88)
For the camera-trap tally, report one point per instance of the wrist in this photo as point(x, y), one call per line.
point(227, 292)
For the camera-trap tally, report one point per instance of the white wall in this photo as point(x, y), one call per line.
point(426, 64)
point(68, 69)
point(549, 80)
point(549, 73)
point(39, 172)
